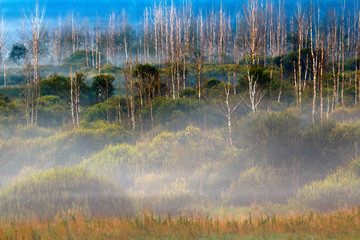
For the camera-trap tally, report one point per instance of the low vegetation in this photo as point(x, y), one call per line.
point(338, 225)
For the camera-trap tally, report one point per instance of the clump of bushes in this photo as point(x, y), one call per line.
point(28, 132)
point(163, 193)
point(121, 163)
point(41, 148)
point(60, 190)
point(71, 147)
point(338, 190)
point(258, 185)
point(343, 114)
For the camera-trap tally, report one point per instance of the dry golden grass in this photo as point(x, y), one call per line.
point(343, 224)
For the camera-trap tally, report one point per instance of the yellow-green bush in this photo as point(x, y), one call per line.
point(163, 193)
point(258, 185)
point(65, 149)
point(343, 114)
point(60, 190)
point(184, 150)
point(216, 175)
point(338, 190)
point(28, 132)
point(121, 163)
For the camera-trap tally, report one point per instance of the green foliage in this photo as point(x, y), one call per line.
point(350, 64)
point(281, 139)
point(337, 190)
point(271, 136)
point(164, 193)
point(58, 85)
point(122, 163)
point(344, 139)
point(343, 114)
point(210, 83)
point(7, 107)
point(217, 173)
point(260, 74)
point(96, 113)
point(145, 71)
point(66, 149)
point(111, 69)
point(18, 53)
point(289, 59)
point(115, 104)
point(103, 87)
point(177, 114)
point(55, 85)
point(60, 190)
point(188, 92)
point(257, 185)
point(318, 150)
point(178, 150)
point(72, 146)
point(52, 112)
point(78, 59)
point(28, 132)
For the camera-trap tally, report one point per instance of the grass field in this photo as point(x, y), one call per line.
point(343, 224)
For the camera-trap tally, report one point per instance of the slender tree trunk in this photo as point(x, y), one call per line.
point(281, 79)
point(321, 80)
point(314, 67)
point(151, 108)
point(72, 96)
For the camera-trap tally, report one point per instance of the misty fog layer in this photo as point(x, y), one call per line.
point(187, 109)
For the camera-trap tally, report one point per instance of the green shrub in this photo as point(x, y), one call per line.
point(55, 85)
point(71, 147)
point(60, 190)
point(111, 69)
point(162, 193)
point(188, 92)
point(28, 132)
point(274, 137)
point(343, 114)
point(215, 175)
point(343, 139)
point(258, 185)
point(338, 190)
point(67, 148)
point(52, 111)
point(180, 150)
point(7, 107)
point(96, 113)
point(122, 163)
point(79, 59)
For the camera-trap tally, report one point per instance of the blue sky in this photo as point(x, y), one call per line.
point(14, 9)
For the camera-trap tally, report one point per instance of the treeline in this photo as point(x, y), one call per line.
point(321, 43)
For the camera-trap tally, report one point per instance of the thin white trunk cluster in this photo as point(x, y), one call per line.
point(32, 33)
point(181, 41)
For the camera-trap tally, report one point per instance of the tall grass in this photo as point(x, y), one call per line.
point(343, 224)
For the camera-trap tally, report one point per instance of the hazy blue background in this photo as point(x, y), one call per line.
point(14, 9)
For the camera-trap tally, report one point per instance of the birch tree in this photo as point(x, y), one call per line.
point(228, 109)
point(255, 94)
point(253, 31)
point(35, 23)
point(3, 46)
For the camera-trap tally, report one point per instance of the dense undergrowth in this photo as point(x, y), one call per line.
point(276, 158)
